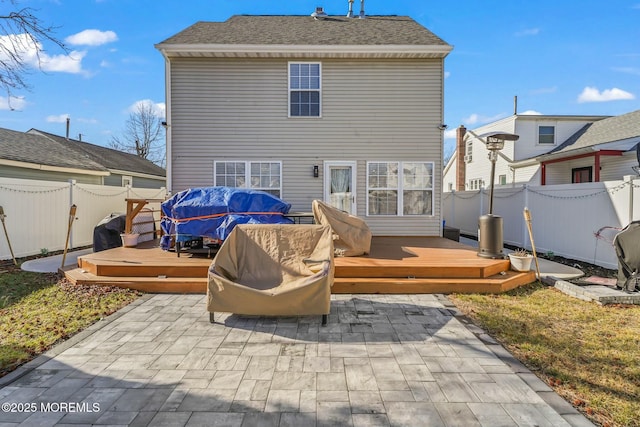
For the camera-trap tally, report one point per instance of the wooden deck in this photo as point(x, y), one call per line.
point(395, 265)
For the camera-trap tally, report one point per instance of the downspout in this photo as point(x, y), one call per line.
point(543, 173)
point(168, 132)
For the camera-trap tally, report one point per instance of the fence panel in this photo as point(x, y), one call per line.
point(574, 221)
point(37, 212)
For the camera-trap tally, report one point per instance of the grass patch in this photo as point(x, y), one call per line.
point(589, 354)
point(39, 310)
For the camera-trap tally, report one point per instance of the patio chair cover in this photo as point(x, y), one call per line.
point(273, 270)
point(352, 236)
point(627, 246)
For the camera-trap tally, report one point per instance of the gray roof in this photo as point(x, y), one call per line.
point(43, 148)
point(304, 30)
point(32, 148)
point(609, 130)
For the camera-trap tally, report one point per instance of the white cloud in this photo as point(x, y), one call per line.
point(528, 32)
point(530, 113)
point(31, 54)
point(592, 94)
point(12, 103)
point(158, 108)
point(447, 74)
point(92, 38)
point(627, 70)
point(475, 119)
point(61, 118)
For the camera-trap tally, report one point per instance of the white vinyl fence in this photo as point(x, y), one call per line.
point(577, 221)
point(37, 213)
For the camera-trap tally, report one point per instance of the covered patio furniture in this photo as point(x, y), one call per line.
point(213, 212)
point(352, 236)
point(273, 270)
point(627, 246)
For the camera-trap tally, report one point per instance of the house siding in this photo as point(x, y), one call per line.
point(237, 109)
point(26, 173)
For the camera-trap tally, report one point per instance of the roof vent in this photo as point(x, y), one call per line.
point(319, 13)
point(350, 13)
point(362, 15)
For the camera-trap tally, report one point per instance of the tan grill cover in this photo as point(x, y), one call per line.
point(273, 270)
point(352, 236)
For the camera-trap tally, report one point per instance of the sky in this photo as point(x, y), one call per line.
point(557, 57)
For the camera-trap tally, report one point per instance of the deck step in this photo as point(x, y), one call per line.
point(495, 284)
point(458, 270)
point(156, 284)
point(366, 285)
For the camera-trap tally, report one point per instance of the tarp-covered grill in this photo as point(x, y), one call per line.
point(213, 212)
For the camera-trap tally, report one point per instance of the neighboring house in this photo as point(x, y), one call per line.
point(40, 155)
point(349, 111)
point(550, 150)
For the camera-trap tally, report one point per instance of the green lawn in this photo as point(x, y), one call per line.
point(588, 353)
point(38, 310)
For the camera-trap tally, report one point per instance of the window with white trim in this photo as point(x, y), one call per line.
point(546, 134)
point(305, 83)
point(400, 188)
point(265, 176)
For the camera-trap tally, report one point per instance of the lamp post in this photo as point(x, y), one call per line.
point(490, 240)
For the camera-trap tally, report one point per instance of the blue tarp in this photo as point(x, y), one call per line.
point(213, 212)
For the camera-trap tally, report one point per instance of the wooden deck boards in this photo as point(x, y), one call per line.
point(395, 265)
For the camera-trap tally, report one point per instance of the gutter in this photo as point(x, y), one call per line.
point(49, 168)
point(317, 51)
point(137, 174)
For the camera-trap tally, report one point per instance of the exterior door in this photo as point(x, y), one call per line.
point(579, 175)
point(340, 185)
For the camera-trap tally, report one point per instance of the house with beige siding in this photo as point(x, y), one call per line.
point(340, 109)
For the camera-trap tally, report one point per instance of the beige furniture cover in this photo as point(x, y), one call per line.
point(273, 270)
point(352, 236)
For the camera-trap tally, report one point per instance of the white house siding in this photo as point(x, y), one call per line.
point(527, 127)
point(449, 180)
point(480, 166)
point(236, 109)
point(612, 168)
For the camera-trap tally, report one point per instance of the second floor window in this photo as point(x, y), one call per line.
point(546, 135)
point(304, 89)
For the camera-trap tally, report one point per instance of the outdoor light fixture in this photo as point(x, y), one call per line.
point(490, 240)
point(316, 171)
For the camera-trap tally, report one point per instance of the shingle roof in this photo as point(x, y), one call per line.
point(43, 148)
point(108, 157)
point(612, 129)
point(304, 30)
point(31, 148)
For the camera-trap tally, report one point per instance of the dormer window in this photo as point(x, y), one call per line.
point(304, 89)
point(546, 134)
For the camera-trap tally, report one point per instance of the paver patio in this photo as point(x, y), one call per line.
point(383, 360)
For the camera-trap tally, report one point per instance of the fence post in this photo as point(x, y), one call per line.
point(525, 233)
point(72, 184)
point(629, 180)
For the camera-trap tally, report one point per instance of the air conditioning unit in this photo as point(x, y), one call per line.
point(467, 159)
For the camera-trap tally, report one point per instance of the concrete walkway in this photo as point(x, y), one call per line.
point(383, 360)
